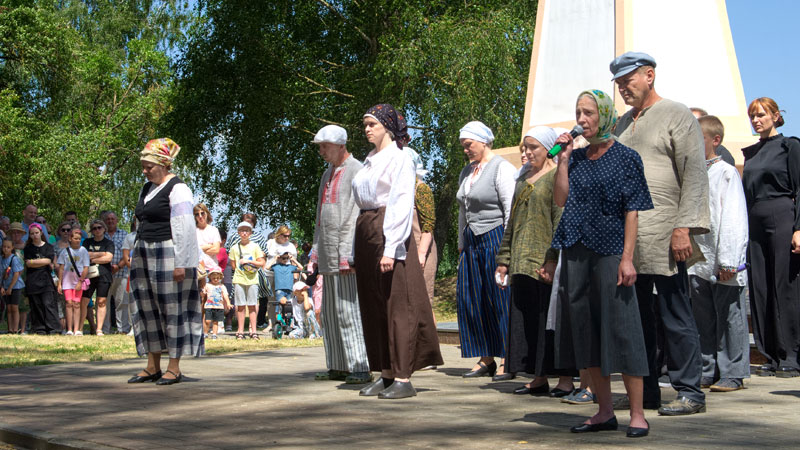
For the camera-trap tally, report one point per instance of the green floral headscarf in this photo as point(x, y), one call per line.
point(608, 116)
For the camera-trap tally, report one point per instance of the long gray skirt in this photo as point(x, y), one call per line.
point(166, 316)
point(603, 318)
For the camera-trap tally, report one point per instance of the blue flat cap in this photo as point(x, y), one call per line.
point(628, 62)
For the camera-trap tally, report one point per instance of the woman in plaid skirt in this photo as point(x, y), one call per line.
point(166, 311)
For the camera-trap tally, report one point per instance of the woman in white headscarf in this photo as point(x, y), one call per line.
point(486, 187)
point(526, 256)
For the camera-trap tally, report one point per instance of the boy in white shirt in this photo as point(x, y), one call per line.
point(717, 284)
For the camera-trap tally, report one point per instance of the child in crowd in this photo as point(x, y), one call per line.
point(285, 268)
point(303, 310)
point(16, 232)
point(12, 286)
point(217, 301)
point(246, 257)
point(717, 284)
point(73, 268)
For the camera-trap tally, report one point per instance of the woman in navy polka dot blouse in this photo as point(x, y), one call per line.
point(602, 187)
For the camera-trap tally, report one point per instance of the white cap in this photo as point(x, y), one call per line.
point(299, 286)
point(331, 133)
point(244, 224)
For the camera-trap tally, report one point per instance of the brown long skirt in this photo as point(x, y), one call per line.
point(395, 311)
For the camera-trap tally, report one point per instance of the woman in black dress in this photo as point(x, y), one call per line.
point(771, 180)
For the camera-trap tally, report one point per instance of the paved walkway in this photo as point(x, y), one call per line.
point(270, 399)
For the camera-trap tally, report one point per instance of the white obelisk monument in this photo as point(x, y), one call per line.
point(575, 40)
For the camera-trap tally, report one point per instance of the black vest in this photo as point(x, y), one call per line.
point(154, 225)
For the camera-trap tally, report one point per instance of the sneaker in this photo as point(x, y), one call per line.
point(579, 397)
point(79, 333)
point(727, 385)
point(100, 333)
point(130, 333)
point(296, 334)
point(69, 333)
point(213, 336)
point(228, 329)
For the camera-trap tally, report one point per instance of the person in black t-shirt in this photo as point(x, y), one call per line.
point(101, 251)
point(39, 255)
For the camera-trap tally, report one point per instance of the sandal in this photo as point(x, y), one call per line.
point(254, 336)
point(239, 336)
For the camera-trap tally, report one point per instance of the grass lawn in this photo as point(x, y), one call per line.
point(32, 350)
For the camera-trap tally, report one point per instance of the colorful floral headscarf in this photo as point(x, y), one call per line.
point(607, 113)
point(160, 151)
point(392, 120)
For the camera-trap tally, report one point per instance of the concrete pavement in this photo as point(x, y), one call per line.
point(268, 399)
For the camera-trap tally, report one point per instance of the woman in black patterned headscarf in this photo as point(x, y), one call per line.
point(399, 331)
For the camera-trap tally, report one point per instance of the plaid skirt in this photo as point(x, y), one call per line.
point(166, 316)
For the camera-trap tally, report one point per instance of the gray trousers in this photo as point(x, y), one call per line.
point(117, 294)
point(721, 317)
point(673, 309)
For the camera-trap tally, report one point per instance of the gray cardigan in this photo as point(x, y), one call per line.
point(336, 220)
point(483, 209)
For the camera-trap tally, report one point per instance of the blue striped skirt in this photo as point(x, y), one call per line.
point(482, 305)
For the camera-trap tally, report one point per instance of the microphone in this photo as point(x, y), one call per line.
point(577, 131)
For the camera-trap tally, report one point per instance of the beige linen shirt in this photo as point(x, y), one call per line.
point(670, 142)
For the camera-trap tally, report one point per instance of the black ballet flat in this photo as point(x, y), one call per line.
point(144, 378)
point(504, 376)
point(558, 393)
point(609, 425)
point(167, 381)
point(482, 371)
point(634, 432)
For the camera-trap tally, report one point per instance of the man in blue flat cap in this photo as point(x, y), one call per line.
point(670, 142)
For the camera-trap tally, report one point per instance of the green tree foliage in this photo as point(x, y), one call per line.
point(257, 79)
point(82, 87)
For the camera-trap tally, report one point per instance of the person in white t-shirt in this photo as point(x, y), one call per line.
point(208, 238)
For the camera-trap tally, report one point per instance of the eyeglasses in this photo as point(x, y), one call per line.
point(200, 213)
point(64, 230)
point(286, 235)
point(97, 228)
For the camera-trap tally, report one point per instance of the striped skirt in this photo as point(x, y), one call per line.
point(482, 305)
point(166, 316)
point(341, 324)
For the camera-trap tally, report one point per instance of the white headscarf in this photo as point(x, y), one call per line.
point(545, 135)
point(477, 131)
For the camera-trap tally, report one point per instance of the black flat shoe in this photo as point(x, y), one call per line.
point(167, 381)
point(635, 432)
point(398, 389)
point(143, 378)
point(609, 425)
point(504, 376)
point(558, 393)
point(765, 370)
point(482, 371)
point(376, 387)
